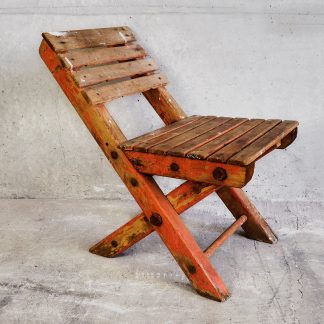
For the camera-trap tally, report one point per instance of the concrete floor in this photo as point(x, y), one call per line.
point(47, 274)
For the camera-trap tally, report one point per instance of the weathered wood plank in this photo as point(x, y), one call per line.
point(75, 59)
point(166, 146)
point(240, 143)
point(109, 92)
point(130, 144)
point(112, 72)
point(264, 143)
point(184, 148)
point(211, 147)
point(190, 169)
point(145, 146)
point(67, 40)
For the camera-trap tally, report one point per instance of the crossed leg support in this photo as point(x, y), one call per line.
point(182, 198)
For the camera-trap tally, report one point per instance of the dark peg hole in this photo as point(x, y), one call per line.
point(134, 182)
point(174, 167)
point(106, 144)
point(114, 244)
point(192, 269)
point(114, 155)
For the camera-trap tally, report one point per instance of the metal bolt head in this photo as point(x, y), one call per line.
point(220, 174)
point(156, 219)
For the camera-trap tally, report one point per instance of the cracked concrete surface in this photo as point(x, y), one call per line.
point(47, 274)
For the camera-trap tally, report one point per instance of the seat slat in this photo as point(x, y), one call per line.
point(130, 144)
point(145, 146)
point(263, 144)
point(240, 143)
point(101, 55)
point(109, 92)
point(186, 147)
point(111, 72)
point(64, 41)
point(211, 147)
point(165, 147)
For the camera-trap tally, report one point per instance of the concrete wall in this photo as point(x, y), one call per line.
point(256, 59)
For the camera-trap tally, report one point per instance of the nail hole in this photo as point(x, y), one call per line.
point(134, 182)
point(114, 243)
point(114, 155)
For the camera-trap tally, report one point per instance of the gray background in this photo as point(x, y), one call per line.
point(258, 59)
point(250, 59)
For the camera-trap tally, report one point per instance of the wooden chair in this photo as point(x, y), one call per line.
point(213, 154)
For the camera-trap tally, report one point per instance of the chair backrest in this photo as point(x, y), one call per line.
point(106, 63)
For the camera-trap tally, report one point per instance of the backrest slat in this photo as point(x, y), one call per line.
point(100, 37)
point(104, 93)
point(112, 72)
point(104, 63)
point(101, 55)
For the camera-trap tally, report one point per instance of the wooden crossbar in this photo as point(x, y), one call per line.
point(224, 236)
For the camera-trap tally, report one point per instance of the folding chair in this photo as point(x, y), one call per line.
point(213, 154)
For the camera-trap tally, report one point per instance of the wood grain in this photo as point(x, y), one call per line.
point(112, 72)
point(100, 37)
point(240, 143)
point(211, 147)
point(263, 144)
point(131, 144)
point(109, 92)
point(101, 55)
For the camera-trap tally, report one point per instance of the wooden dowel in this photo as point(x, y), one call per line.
point(225, 235)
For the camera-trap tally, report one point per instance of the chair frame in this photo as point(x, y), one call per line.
point(160, 213)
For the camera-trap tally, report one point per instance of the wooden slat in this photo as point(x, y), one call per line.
point(211, 147)
point(64, 41)
point(186, 147)
point(111, 72)
point(130, 144)
point(101, 55)
point(112, 91)
point(239, 144)
point(264, 143)
point(166, 146)
point(145, 146)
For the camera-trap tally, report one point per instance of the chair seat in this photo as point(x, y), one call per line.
point(237, 141)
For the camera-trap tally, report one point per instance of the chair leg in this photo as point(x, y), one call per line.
point(239, 204)
point(181, 198)
point(193, 262)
